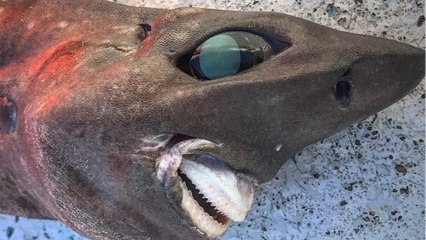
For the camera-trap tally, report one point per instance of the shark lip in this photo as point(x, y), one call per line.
point(212, 194)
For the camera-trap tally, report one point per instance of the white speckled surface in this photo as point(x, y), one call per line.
point(366, 182)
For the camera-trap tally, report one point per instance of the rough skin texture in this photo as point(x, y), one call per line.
point(89, 84)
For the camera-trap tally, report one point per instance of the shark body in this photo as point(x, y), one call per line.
point(94, 104)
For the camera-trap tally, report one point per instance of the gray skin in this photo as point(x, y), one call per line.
point(88, 83)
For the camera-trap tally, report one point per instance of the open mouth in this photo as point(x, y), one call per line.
point(213, 194)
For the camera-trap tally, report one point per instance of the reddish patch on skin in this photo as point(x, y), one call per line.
point(7, 13)
point(5, 71)
point(3, 101)
point(50, 101)
point(36, 62)
point(61, 64)
point(58, 64)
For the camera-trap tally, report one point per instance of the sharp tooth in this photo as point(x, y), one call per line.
point(203, 220)
point(229, 195)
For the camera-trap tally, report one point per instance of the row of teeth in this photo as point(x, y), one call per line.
point(204, 222)
point(228, 194)
point(220, 186)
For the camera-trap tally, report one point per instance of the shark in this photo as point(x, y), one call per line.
point(143, 123)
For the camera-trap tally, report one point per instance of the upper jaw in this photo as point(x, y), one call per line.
point(208, 191)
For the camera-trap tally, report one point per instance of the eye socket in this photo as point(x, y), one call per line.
point(225, 54)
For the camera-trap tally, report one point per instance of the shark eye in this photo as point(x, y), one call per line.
point(225, 54)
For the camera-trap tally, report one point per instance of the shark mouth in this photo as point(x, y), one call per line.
point(213, 195)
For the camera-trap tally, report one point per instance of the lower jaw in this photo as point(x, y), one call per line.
point(206, 223)
point(216, 197)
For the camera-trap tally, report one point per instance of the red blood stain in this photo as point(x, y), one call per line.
point(67, 47)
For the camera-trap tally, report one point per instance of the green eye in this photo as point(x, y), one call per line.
point(226, 54)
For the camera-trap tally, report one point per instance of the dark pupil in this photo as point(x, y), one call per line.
point(227, 54)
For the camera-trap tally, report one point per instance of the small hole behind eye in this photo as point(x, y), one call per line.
point(146, 27)
point(342, 92)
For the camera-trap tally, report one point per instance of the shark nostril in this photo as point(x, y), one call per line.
point(342, 92)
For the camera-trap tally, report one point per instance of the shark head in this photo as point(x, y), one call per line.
point(145, 139)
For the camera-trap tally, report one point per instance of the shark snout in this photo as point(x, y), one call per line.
point(411, 59)
point(384, 73)
point(415, 59)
